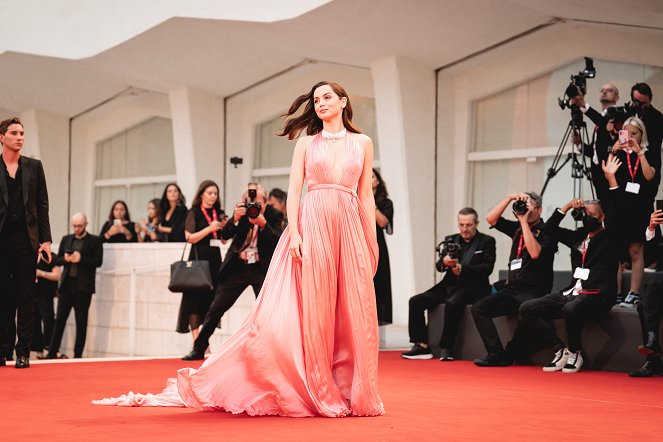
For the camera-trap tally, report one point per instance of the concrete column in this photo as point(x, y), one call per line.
point(47, 139)
point(405, 111)
point(198, 138)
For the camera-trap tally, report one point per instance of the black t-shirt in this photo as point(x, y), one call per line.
point(15, 221)
point(44, 286)
point(534, 274)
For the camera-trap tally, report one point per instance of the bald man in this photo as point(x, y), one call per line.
point(80, 254)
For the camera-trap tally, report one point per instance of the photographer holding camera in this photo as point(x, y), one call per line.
point(530, 270)
point(468, 259)
point(593, 288)
point(255, 229)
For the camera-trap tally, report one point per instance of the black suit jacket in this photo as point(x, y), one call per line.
point(35, 198)
point(91, 257)
point(268, 237)
point(477, 264)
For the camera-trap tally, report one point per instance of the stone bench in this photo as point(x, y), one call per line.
point(609, 344)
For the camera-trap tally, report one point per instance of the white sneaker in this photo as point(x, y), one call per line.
point(559, 361)
point(631, 300)
point(574, 363)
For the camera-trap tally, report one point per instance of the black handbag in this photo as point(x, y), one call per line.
point(190, 276)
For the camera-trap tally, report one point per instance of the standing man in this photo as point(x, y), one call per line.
point(278, 199)
point(25, 238)
point(255, 230)
point(530, 271)
point(80, 253)
point(466, 281)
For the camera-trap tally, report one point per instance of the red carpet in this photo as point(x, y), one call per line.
point(425, 400)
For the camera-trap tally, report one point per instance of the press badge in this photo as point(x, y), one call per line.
point(581, 273)
point(516, 264)
point(251, 255)
point(632, 187)
point(215, 242)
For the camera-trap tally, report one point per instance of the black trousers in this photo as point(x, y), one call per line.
point(70, 297)
point(455, 300)
point(505, 302)
point(650, 311)
point(536, 315)
point(44, 316)
point(18, 270)
point(227, 293)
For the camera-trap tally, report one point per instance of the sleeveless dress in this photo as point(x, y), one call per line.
point(309, 347)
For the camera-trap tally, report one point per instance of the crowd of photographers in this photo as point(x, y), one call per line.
point(625, 155)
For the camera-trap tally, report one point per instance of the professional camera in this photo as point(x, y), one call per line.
point(253, 208)
point(578, 214)
point(578, 85)
point(519, 207)
point(449, 247)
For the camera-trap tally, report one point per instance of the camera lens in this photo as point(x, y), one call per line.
point(577, 214)
point(519, 207)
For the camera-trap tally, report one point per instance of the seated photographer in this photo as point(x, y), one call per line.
point(255, 229)
point(650, 312)
point(468, 259)
point(530, 271)
point(593, 288)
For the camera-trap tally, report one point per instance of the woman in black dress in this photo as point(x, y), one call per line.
point(173, 214)
point(202, 229)
point(119, 228)
point(639, 176)
point(384, 218)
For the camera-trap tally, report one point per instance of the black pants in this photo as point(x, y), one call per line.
point(455, 300)
point(227, 292)
point(650, 311)
point(44, 316)
point(18, 270)
point(505, 302)
point(535, 317)
point(70, 298)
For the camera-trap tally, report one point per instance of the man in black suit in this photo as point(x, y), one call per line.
point(466, 280)
point(593, 288)
point(255, 230)
point(530, 271)
point(80, 253)
point(25, 238)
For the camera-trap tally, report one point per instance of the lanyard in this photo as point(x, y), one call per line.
point(209, 220)
point(585, 246)
point(521, 246)
point(633, 171)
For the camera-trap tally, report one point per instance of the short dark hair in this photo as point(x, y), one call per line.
point(279, 194)
point(469, 211)
point(643, 88)
point(4, 125)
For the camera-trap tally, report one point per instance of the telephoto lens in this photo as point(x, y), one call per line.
point(519, 207)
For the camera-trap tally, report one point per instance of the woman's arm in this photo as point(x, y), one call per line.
point(53, 275)
point(364, 187)
point(295, 195)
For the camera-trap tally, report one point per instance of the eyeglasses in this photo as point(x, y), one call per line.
point(606, 89)
point(77, 225)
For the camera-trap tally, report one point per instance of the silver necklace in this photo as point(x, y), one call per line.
point(337, 136)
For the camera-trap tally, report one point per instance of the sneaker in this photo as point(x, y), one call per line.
point(445, 355)
point(620, 298)
point(418, 352)
point(631, 300)
point(573, 363)
point(494, 361)
point(559, 361)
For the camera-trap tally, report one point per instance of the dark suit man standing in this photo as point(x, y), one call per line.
point(466, 281)
point(25, 238)
point(80, 253)
point(254, 239)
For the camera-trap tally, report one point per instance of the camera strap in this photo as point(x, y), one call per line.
point(209, 220)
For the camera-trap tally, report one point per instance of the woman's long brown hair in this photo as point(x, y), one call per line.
point(308, 119)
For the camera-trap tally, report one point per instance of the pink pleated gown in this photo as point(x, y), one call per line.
point(309, 347)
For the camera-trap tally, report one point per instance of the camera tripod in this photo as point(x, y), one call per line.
point(579, 166)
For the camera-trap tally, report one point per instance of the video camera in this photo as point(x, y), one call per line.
point(619, 114)
point(578, 85)
point(253, 208)
point(449, 247)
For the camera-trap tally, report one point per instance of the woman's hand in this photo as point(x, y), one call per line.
point(295, 248)
point(633, 145)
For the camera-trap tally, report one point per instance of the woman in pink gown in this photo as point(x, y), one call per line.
point(309, 347)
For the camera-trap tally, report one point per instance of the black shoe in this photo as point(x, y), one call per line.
point(3, 363)
point(494, 361)
point(649, 369)
point(417, 352)
point(445, 355)
point(22, 362)
point(651, 347)
point(194, 356)
point(620, 298)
